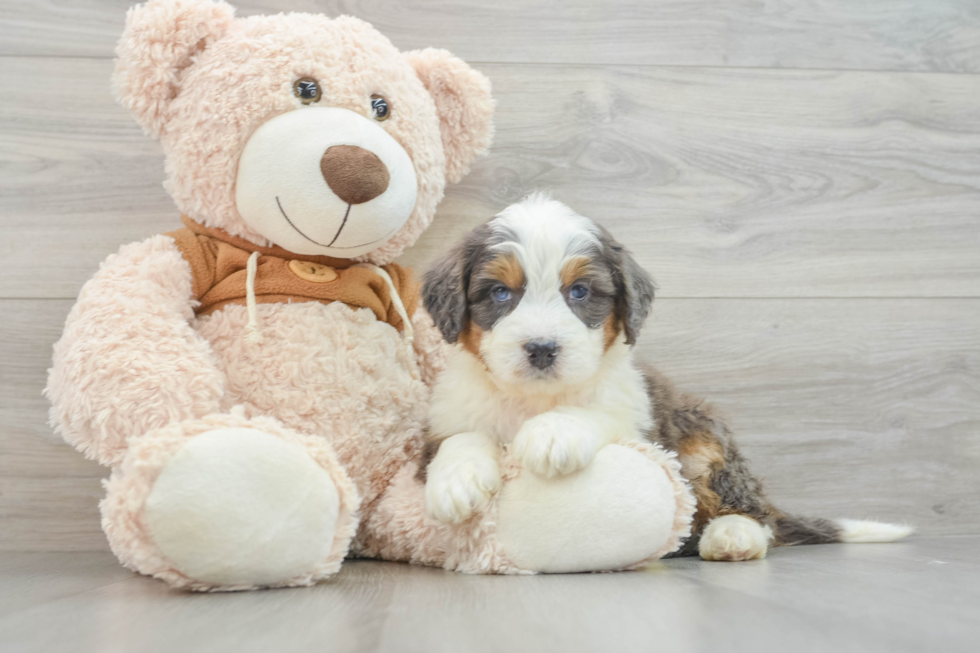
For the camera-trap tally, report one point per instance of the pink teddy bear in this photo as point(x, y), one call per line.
point(257, 380)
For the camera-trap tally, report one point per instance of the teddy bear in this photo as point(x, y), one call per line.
point(257, 380)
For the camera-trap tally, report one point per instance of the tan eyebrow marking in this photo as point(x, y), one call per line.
point(574, 269)
point(507, 269)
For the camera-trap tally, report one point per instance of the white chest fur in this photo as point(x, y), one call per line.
point(468, 399)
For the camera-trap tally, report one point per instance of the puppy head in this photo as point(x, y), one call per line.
point(540, 294)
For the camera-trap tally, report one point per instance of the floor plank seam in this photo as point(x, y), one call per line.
point(597, 64)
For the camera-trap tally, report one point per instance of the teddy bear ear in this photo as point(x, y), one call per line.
point(465, 107)
point(161, 39)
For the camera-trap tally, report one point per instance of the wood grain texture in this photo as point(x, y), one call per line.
point(913, 596)
point(937, 35)
point(49, 493)
point(860, 408)
point(726, 183)
point(30, 579)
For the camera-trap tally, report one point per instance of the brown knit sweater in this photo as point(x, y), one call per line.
point(218, 262)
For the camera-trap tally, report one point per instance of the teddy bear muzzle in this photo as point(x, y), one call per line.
point(325, 181)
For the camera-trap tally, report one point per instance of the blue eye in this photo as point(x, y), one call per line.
point(578, 291)
point(500, 293)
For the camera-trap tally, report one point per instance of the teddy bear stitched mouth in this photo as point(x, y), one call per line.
point(336, 236)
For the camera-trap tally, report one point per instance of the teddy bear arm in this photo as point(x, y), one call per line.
point(430, 348)
point(129, 359)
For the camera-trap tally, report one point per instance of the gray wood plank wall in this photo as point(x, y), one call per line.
point(801, 177)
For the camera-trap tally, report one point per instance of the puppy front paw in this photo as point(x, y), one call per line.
point(459, 483)
point(553, 444)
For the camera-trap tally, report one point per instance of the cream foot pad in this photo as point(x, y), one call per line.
point(616, 512)
point(241, 506)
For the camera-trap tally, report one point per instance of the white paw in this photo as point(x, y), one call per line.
point(460, 481)
point(733, 538)
point(553, 443)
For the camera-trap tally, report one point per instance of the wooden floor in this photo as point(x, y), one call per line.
point(920, 595)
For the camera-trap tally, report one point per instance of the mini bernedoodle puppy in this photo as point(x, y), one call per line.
point(545, 307)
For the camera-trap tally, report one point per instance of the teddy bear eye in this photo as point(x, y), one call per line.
point(380, 108)
point(306, 89)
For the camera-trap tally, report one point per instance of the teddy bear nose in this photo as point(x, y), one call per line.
point(353, 173)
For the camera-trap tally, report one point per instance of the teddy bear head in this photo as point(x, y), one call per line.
point(298, 130)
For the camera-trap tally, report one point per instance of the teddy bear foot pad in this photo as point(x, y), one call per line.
point(600, 518)
point(228, 503)
point(240, 506)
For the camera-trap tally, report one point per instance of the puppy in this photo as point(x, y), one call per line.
point(544, 306)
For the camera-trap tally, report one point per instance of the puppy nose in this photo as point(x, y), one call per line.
point(353, 173)
point(541, 353)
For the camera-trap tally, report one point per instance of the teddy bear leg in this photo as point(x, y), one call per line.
point(628, 507)
point(229, 503)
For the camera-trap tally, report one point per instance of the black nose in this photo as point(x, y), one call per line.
point(541, 353)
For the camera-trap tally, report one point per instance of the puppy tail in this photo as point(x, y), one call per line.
point(856, 530)
point(791, 531)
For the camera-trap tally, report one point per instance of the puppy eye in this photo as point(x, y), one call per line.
point(578, 292)
point(307, 90)
point(380, 108)
point(500, 294)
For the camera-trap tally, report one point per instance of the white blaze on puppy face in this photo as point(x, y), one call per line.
point(548, 240)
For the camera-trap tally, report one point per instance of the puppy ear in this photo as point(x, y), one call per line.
point(447, 282)
point(462, 97)
point(444, 293)
point(161, 39)
point(634, 287)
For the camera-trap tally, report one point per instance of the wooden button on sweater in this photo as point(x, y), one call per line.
point(312, 272)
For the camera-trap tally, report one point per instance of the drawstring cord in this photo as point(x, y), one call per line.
point(408, 333)
point(252, 333)
point(396, 301)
